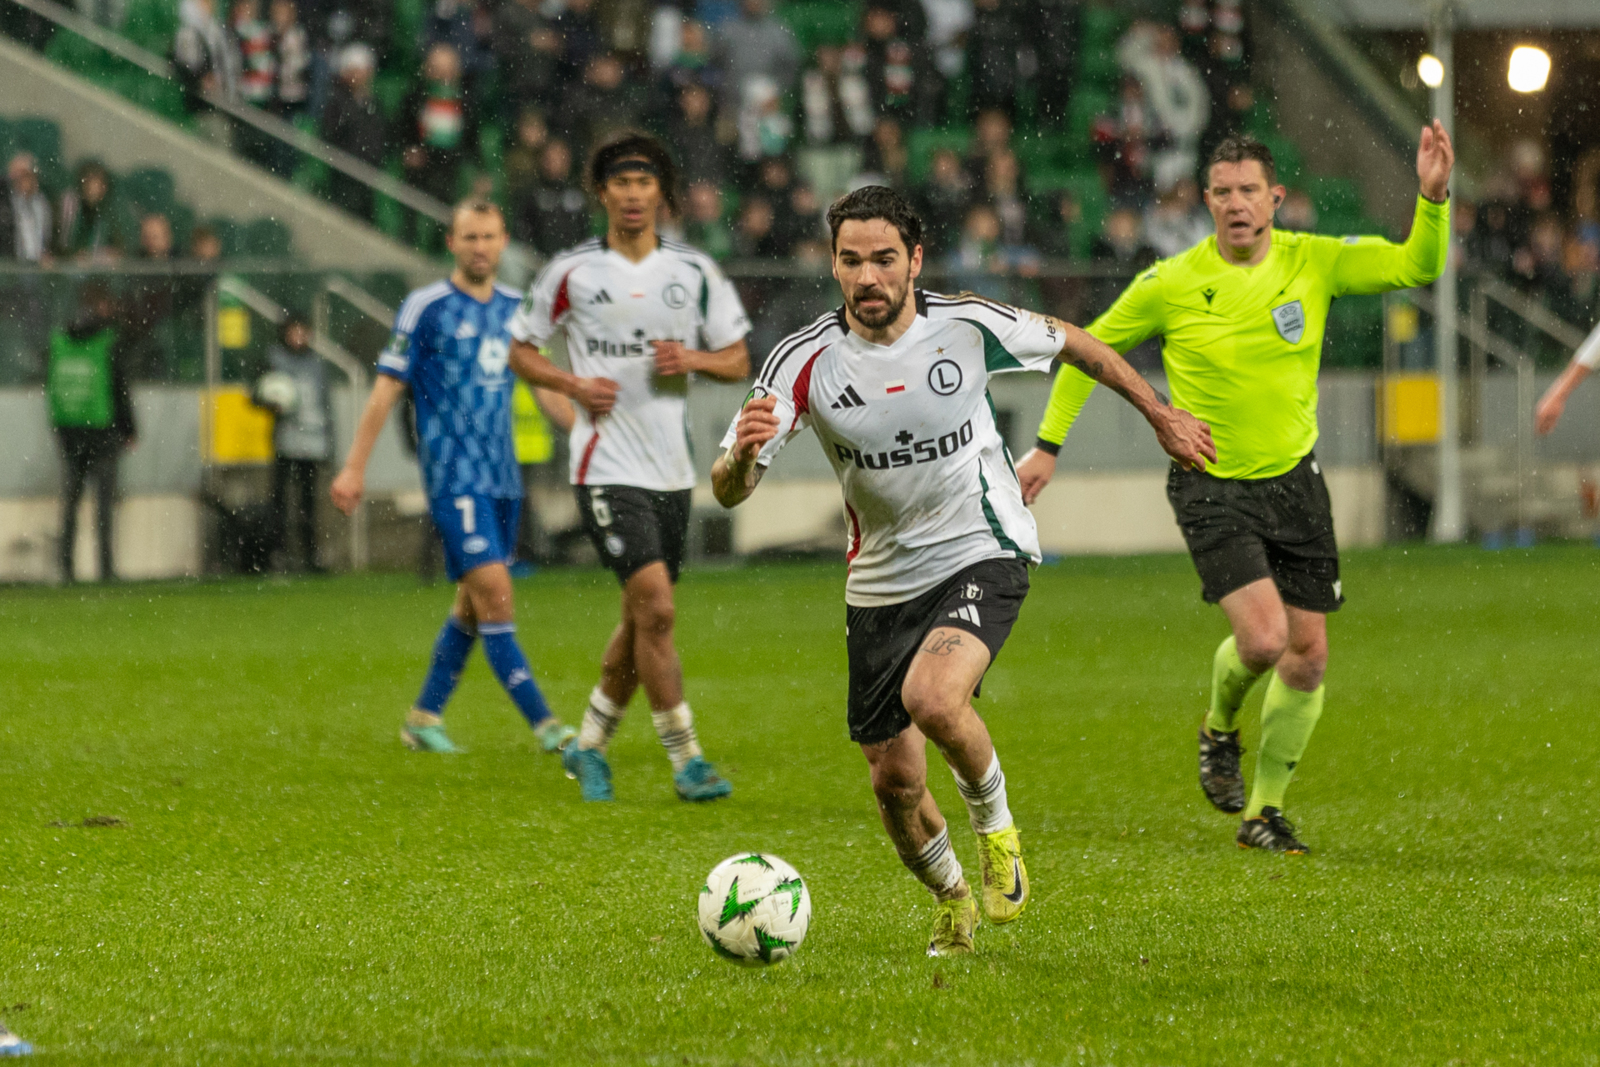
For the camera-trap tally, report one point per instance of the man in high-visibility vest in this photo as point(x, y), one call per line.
point(92, 412)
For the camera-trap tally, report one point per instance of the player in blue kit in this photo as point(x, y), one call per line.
point(450, 348)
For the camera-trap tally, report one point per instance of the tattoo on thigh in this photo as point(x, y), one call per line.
point(942, 644)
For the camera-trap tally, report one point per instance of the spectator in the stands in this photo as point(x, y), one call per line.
point(692, 132)
point(353, 122)
point(1538, 264)
point(765, 128)
point(1002, 189)
point(994, 47)
point(837, 113)
point(991, 133)
point(756, 236)
point(521, 163)
point(1493, 240)
point(91, 410)
point(468, 27)
point(756, 45)
point(1052, 30)
point(89, 230)
point(976, 253)
point(1177, 96)
point(897, 66)
point(886, 154)
point(1122, 143)
point(943, 200)
point(556, 216)
point(204, 245)
point(1121, 242)
point(155, 237)
point(692, 62)
point(1054, 234)
point(581, 40)
point(291, 95)
point(26, 222)
point(148, 302)
point(302, 437)
point(442, 130)
point(1176, 222)
point(253, 38)
point(602, 104)
point(1296, 213)
point(528, 48)
point(703, 225)
point(207, 63)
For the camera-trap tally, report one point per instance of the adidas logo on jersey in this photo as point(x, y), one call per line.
point(848, 399)
point(967, 613)
point(602, 297)
point(466, 330)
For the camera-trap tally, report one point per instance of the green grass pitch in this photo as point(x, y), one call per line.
point(284, 883)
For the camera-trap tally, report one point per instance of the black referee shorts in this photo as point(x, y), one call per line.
point(632, 528)
point(1240, 530)
point(982, 599)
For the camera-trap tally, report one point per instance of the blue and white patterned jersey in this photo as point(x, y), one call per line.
point(454, 353)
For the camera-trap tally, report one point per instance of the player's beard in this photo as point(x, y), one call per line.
point(893, 306)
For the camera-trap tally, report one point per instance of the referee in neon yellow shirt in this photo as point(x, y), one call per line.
point(1241, 318)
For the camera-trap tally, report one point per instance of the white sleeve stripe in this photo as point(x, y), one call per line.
point(1588, 353)
point(416, 304)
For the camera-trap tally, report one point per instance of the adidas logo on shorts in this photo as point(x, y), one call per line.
point(967, 613)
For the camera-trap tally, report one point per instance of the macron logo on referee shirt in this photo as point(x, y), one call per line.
point(967, 613)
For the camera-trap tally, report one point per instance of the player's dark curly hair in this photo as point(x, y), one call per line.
point(632, 144)
point(877, 202)
point(1239, 147)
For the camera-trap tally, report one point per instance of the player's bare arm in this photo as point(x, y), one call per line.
point(1181, 435)
point(597, 395)
point(557, 408)
point(730, 364)
point(735, 474)
point(350, 483)
point(1436, 157)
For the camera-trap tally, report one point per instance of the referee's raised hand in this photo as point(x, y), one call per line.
point(1436, 157)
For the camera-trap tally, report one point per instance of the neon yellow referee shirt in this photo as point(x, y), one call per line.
point(1242, 345)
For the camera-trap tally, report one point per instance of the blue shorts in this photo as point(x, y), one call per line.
point(475, 530)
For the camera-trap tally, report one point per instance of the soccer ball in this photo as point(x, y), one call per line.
point(278, 391)
point(754, 909)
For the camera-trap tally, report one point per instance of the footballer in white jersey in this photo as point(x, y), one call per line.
point(894, 386)
point(640, 315)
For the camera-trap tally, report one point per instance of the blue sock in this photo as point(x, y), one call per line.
point(511, 667)
point(450, 650)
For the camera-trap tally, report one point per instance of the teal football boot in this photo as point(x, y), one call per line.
point(589, 767)
point(699, 781)
point(424, 732)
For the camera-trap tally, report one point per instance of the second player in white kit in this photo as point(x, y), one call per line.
point(640, 315)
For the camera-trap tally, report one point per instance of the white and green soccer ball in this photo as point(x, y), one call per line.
point(754, 909)
point(279, 392)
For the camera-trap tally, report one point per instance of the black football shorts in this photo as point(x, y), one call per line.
point(632, 528)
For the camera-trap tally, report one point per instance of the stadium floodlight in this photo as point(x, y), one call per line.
point(1529, 68)
point(1430, 70)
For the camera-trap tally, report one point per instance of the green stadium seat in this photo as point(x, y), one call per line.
point(151, 24)
point(150, 189)
point(229, 233)
point(817, 22)
point(267, 236)
point(77, 54)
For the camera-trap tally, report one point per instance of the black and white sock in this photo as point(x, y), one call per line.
point(986, 799)
point(600, 721)
point(675, 727)
point(936, 865)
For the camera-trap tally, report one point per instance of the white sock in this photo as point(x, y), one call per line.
point(675, 727)
point(936, 866)
point(600, 721)
point(986, 799)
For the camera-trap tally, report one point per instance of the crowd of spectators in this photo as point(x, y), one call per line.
point(768, 130)
point(1514, 232)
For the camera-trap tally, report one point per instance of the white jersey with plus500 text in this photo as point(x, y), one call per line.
point(909, 428)
point(611, 309)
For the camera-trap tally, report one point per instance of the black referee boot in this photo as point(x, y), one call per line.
point(1219, 770)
